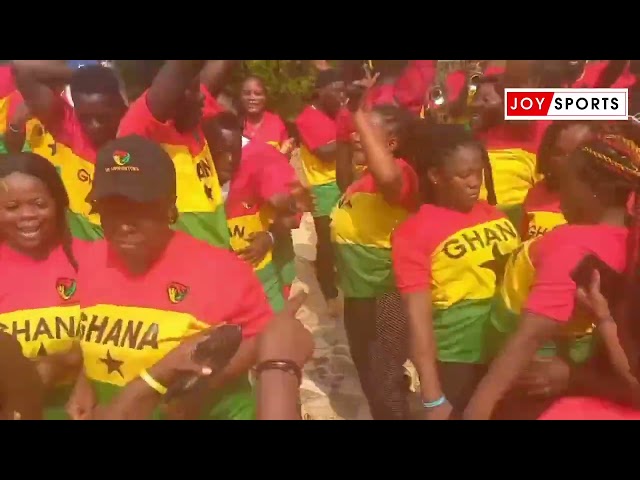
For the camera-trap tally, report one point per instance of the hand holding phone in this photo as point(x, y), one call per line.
point(611, 281)
point(214, 352)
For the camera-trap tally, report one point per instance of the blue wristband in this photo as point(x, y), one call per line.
point(435, 403)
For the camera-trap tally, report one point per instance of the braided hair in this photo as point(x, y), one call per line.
point(611, 167)
point(548, 143)
point(399, 122)
point(435, 143)
point(39, 167)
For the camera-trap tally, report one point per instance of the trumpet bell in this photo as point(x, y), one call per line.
point(437, 97)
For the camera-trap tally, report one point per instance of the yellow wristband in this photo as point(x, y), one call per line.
point(152, 382)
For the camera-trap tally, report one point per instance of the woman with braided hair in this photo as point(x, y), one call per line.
point(38, 297)
point(536, 310)
point(541, 206)
point(448, 259)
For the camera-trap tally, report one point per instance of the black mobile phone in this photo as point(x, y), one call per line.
point(611, 281)
point(215, 352)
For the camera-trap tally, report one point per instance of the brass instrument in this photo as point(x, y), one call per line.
point(436, 101)
point(474, 74)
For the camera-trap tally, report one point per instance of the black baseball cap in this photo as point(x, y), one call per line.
point(135, 168)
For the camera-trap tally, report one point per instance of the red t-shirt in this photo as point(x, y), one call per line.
point(206, 283)
point(588, 408)
point(271, 130)
point(7, 81)
point(263, 173)
point(140, 121)
point(39, 301)
point(554, 257)
point(316, 128)
point(416, 240)
point(129, 322)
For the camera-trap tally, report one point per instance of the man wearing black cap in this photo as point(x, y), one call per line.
point(317, 128)
point(147, 286)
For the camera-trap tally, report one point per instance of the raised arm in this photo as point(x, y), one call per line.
point(380, 162)
point(216, 74)
point(34, 79)
point(169, 86)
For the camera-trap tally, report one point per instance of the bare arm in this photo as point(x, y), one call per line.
point(169, 86)
point(34, 78)
point(422, 344)
point(216, 74)
point(519, 350)
point(380, 161)
point(344, 166)
point(17, 128)
point(136, 401)
point(278, 396)
point(57, 367)
point(327, 153)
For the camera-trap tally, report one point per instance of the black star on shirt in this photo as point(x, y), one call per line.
point(497, 264)
point(112, 364)
point(42, 352)
point(208, 192)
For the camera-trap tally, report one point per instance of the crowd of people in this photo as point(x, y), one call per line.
point(148, 258)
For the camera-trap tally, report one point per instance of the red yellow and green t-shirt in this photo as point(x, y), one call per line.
point(541, 211)
point(513, 163)
point(361, 226)
point(7, 87)
point(317, 130)
point(39, 305)
point(65, 144)
point(129, 322)
point(263, 173)
point(459, 257)
point(270, 130)
point(200, 202)
point(538, 280)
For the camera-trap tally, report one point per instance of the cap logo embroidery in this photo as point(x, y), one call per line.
point(122, 160)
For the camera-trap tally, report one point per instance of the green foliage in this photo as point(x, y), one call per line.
point(289, 83)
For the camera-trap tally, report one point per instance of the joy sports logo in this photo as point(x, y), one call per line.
point(66, 288)
point(121, 158)
point(177, 292)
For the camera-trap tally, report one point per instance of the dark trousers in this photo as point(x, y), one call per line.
point(377, 334)
point(458, 382)
point(325, 262)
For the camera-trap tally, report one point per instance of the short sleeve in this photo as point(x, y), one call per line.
point(552, 294)
point(67, 128)
point(211, 106)
point(281, 130)
point(7, 81)
point(140, 121)
point(15, 100)
point(411, 258)
point(316, 129)
point(344, 126)
point(409, 189)
point(248, 304)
